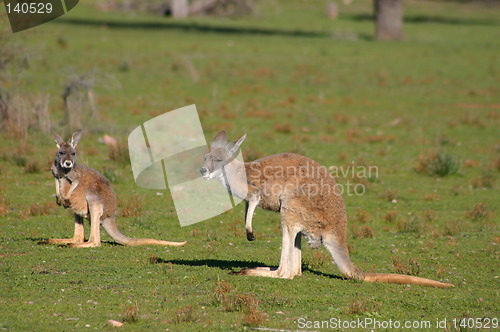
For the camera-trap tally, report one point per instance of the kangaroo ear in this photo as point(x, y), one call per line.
point(57, 138)
point(233, 148)
point(75, 138)
point(220, 139)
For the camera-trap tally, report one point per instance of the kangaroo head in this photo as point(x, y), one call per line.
point(221, 153)
point(66, 152)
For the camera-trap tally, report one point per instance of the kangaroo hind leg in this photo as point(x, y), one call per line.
point(95, 211)
point(290, 261)
point(78, 235)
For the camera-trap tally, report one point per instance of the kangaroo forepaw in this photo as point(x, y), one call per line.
point(58, 201)
point(66, 203)
point(250, 237)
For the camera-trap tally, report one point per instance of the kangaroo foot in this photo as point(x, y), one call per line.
point(265, 271)
point(84, 245)
point(60, 241)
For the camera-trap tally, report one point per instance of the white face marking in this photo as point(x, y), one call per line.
point(66, 164)
point(216, 175)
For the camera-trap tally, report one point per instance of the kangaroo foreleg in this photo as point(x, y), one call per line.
point(58, 192)
point(74, 184)
point(250, 206)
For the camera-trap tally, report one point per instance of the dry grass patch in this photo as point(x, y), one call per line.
point(284, 128)
point(478, 212)
point(226, 296)
point(261, 114)
point(391, 216)
point(389, 195)
point(437, 163)
point(429, 215)
point(37, 209)
point(131, 315)
point(362, 216)
point(32, 167)
point(431, 197)
point(496, 163)
point(411, 267)
point(362, 232)
point(359, 306)
point(132, 207)
point(119, 152)
point(412, 224)
point(470, 163)
point(3, 206)
point(452, 228)
point(379, 138)
point(185, 315)
point(353, 135)
point(485, 181)
point(254, 317)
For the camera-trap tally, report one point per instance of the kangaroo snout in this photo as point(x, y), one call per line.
point(67, 164)
point(204, 171)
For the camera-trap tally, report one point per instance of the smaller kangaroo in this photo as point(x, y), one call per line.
point(310, 204)
point(89, 195)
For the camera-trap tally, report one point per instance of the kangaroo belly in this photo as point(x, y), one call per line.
point(78, 201)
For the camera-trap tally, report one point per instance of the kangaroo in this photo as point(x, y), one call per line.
point(308, 200)
point(89, 195)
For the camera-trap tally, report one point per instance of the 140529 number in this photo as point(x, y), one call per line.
point(30, 8)
point(475, 323)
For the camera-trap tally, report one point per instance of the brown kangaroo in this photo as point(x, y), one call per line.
point(89, 195)
point(308, 200)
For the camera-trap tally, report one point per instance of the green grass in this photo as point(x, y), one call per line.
point(293, 81)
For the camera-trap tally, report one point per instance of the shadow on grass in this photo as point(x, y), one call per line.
point(321, 274)
point(208, 28)
point(191, 27)
point(221, 264)
point(231, 265)
point(428, 19)
point(45, 241)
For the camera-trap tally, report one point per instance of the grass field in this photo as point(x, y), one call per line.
point(294, 82)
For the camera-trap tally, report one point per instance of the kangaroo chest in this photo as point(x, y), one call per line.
point(78, 201)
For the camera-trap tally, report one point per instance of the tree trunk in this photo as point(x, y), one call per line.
point(389, 19)
point(180, 8)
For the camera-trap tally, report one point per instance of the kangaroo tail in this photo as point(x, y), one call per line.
point(341, 258)
point(392, 278)
point(110, 227)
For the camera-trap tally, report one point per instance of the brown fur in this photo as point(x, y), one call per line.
point(89, 195)
point(308, 200)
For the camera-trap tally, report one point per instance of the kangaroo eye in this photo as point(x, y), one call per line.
point(73, 153)
point(61, 153)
